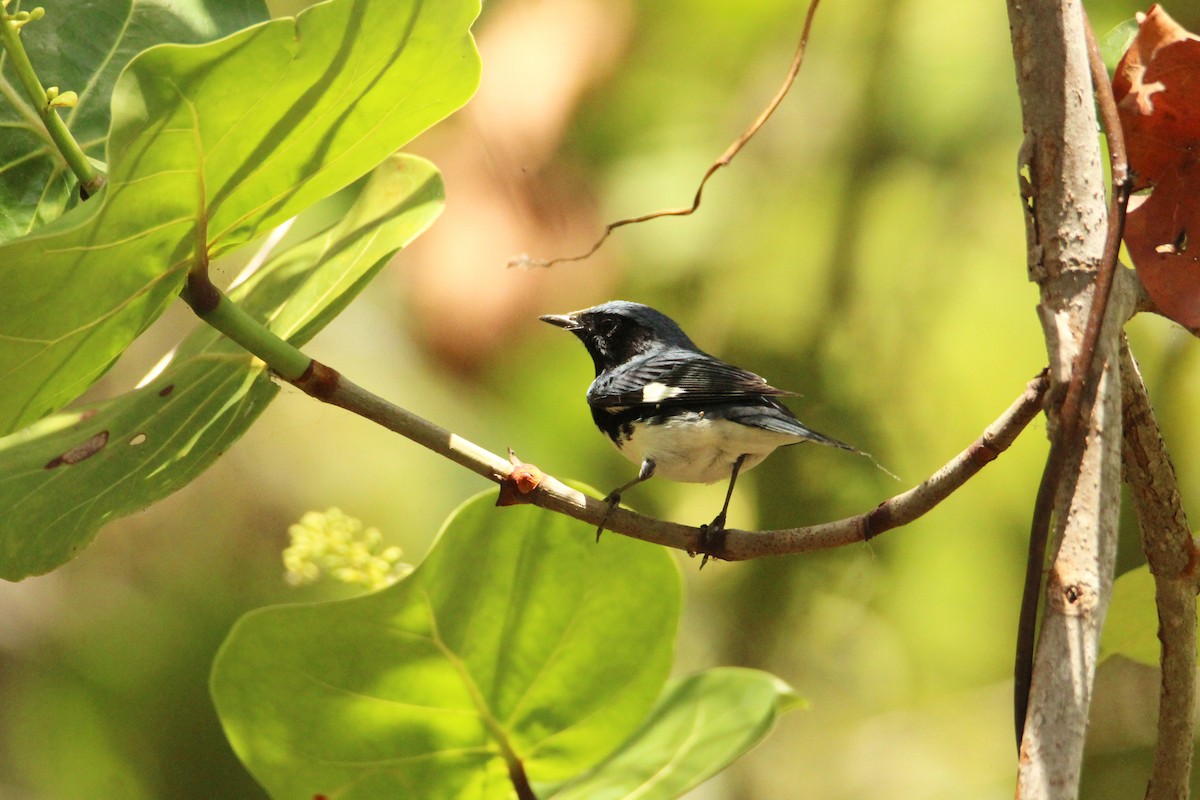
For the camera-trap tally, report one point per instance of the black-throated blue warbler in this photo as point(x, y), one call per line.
point(673, 409)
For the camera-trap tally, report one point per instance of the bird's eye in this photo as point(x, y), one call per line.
point(608, 326)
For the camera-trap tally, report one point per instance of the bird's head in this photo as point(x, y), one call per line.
point(617, 331)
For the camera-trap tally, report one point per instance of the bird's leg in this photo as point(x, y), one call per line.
point(712, 535)
point(718, 523)
point(614, 497)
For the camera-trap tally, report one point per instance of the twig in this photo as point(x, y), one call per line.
point(523, 483)
point(1066, 449)
point(723, 161)
point(46, 104)
point(1084, 374)
point(328, 386)
point(1171, 553)
point(520, 781)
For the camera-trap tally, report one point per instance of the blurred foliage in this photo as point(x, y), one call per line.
point(866, 250)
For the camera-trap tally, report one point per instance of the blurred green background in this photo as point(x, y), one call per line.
point(865, 250)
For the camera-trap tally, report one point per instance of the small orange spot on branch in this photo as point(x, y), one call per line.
point(523, 480)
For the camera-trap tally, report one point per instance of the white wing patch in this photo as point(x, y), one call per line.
point(657, 392)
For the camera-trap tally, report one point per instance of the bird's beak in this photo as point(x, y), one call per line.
point(564, 321)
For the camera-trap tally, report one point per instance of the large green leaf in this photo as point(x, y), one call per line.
point(62, 478)
point(211, 145)
point(701, 724)
point(81, 46)
point(517, 634)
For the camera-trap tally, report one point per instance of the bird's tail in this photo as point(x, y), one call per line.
point(821, 438)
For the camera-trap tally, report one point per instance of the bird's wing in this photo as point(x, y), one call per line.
point(676, 378)
point(772, 415)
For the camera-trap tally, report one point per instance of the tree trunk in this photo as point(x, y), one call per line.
point(1065, 214)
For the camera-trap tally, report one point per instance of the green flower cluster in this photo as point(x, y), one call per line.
point(335, 544)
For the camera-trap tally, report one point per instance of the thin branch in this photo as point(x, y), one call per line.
point(90, 179)
point(1084, 372)
point(524, 483)
point(520, 781)
point(215, 308)
point(1171, 553)
point(1066, 449)
point(525, 260)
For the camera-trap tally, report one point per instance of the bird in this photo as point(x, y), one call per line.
point(673, 409)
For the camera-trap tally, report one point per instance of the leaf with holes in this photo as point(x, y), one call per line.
point(517, 640)
point(81, 46)
point(1156, 85)
point(210, 146)
point(64, 477)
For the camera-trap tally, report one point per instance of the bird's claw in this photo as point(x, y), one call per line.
point(712, 539)
point(612, 501)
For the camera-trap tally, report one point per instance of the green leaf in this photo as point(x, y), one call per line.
point(64, 477)
point(81, 46)
point(211, 145)
point(1114, 43)
point(517, 634)
point(1131, 623)
point(700, 726)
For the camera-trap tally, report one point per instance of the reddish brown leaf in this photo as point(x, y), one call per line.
point(1156, 86)
point(1157, 232)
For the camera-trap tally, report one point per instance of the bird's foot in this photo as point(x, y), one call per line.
point(712, 539)
point(612, 501)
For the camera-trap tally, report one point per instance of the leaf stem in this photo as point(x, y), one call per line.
point(91, 180)
point(214, 307)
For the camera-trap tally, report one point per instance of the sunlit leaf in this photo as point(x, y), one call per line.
point(81, 46)
point(1114, 43)
point(517, 634)
point(64, 477)
point(211, 145)
point(701, 724)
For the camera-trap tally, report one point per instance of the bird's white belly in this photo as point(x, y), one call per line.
point(695, 449)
